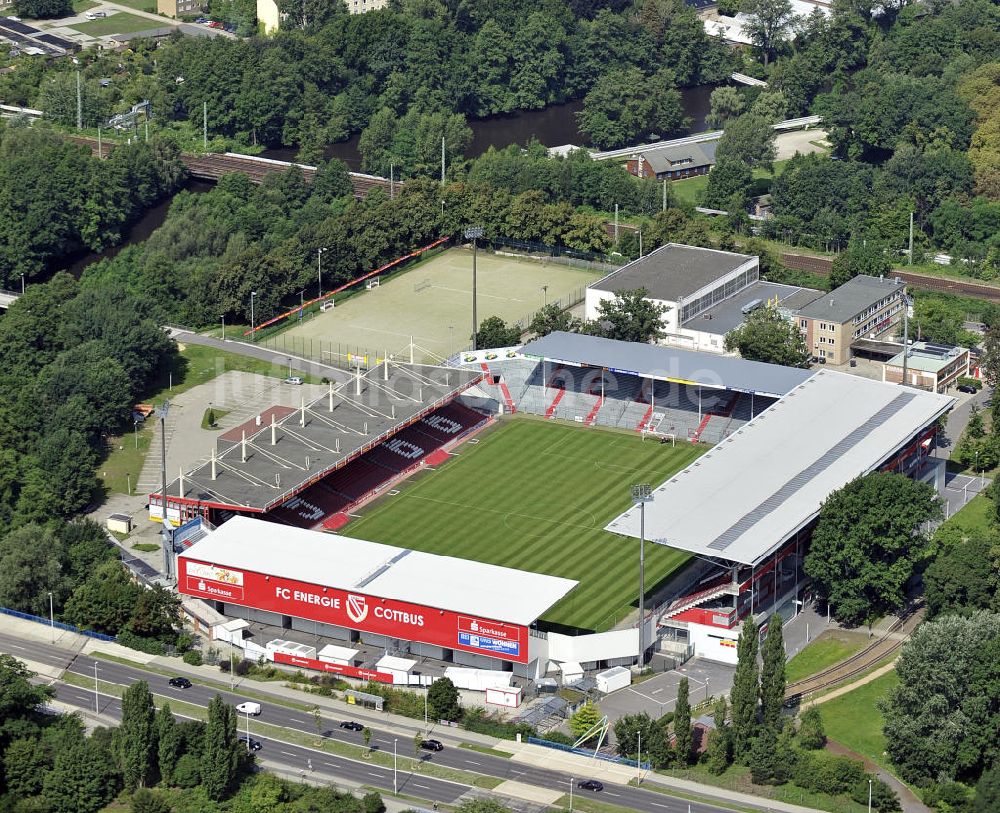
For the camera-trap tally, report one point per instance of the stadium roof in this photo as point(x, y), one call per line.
point(319, 437)
point(667, 363)
point(744, 498)
point(383, 571)
point(673, 271)
point(854, 296)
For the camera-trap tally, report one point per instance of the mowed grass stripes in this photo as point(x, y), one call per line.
point(536, 496)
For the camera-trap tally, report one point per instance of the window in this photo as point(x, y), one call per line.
point(803, 323)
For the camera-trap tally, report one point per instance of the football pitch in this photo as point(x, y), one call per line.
point(432, 303)
point(536, 495)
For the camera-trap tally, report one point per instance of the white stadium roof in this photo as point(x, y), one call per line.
point(384, 571)
point(741, 500)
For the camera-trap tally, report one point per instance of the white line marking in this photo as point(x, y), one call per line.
point(289, 754)
point(472, 762)
point(376, 775)
point(425, 787)
point(16, 646)
point(609, 793)
point(657, 804)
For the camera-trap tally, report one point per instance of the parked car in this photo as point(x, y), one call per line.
point(350, 725)
point(591, 784)
point(431, 745)
point(180, 682)
point(967, 388)
point(202, 20)
point(249, 708)
point(254, 745)
point(95, 15)
point(293, 379)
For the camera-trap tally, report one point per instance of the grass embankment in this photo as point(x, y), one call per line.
point(536, 495)
point(854, 720)
point(831, 647)
point(194, 365)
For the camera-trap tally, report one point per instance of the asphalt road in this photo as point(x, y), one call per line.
point(296, 758)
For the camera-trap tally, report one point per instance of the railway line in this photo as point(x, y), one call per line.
point(857, 664)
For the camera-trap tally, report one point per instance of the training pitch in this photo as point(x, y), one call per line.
point(536, 496)
point(432, 302)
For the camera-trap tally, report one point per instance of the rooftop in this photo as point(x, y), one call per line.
point(728, 314)
point(741, 500)
point(319, 437)
point(853, 297)
point(673, 271)
point(667, 363)
point(680, 156)
point(927, 357)
point(381, 571)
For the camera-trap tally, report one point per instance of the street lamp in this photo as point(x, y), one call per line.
point(253, 318)
point(572, 782)
point(319, 269)
point(22, 283)
point(97, 709)
point(248, 732)
point(545, 295)
point(223, 327)
point(869, 796)
point(289, 366)
point(52, 618)
point(642, 493)
point(474, 234)
point(394, 786)
point(135, 431)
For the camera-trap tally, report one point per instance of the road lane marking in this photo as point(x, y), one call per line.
point(609, 793)
point(376, 775)
point(473, 762)
point(657, 804)
point(289, 754)
point(425, 787)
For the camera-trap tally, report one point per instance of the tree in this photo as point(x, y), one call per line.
point(628, 729)
point(719, 740)
point(442, 700)
point(20, 699)
point(747, 139)
point(729, 185)
point(767, 21)
point(495, 332)
point(963, 578)
point(682, 724)
point(767, 335)
point(811, 734)
point(861, 257)
point(221, 749)
point(145, 801)
point(990, 359)
point(168, 743)
point(941, 719)
point(136, 735)
point(727, 103)
point(23, 768)
point(42, 9)
point(745, 691)
point(30, 566)
point(987, 797)
point(418, 739)
point(585, 720)
point(772, 675)
point(550, 319)
point(631, 317)
point(366, 736)
point(81, 779)
point(866, 543)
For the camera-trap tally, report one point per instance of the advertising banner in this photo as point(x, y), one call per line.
point(334, 668)
point(355, 610)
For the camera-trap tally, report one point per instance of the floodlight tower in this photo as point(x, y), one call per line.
point(642, 493)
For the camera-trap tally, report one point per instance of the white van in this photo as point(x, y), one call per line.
point(249, 708)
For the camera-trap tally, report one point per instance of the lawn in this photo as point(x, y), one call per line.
point(536, 495)
point(975, 518)
point(854, 720)
point(692, 190)
point(120, 23)
point(194, 365)
point(80, 6)
point(139, 5)
point(829, 648)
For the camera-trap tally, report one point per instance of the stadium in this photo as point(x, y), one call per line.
point(495, 492)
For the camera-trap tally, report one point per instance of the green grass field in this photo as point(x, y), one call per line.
point(120, 23)
point(536, 496)
point(853, 719)
point(829, 648)
point(432, 303)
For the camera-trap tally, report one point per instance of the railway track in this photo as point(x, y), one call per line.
point(858, 663)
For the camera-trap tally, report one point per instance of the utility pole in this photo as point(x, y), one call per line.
point(474, 234)
point(253, 319)
point(392, 182)
point(79, 103)
point(442, 160)
point(642, 494)
point(167, 536)
point(616, 224)
point(204, 126)
point(906, 335)
point(319, 270)
point(911, 239)
point(100, 152)
point(640, 244)
point(664, 196)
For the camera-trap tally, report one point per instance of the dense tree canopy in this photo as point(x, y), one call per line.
point(768, 335)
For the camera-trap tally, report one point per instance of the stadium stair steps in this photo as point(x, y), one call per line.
point(555, 403)
point(693, 600)
point(503, 390)
point(701, 428)
point(645, 420)
point(592, 415)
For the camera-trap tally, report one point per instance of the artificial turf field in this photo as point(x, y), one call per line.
point(535, 495)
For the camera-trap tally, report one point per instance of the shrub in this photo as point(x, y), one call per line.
point(186, 772)
point(225, 666)
point(373, 803)
point(482, 722)
point(192, 657)
point(838, 775)
point(243, 667)
point(946, 796)
point(559, 737)
point(967, 381)
point(812, 737)
point(884, 798)
point(145, 801)
point(148, 645)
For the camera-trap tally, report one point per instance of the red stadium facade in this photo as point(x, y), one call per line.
point(354, 610)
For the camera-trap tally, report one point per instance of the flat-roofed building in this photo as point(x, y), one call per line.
point(932, 367)
point(861, 308)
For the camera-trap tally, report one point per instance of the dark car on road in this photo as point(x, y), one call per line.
point(255, 745)
point(350, 725)
point(431, 745)
point(180, 682)
point(967, 388)
point(590, 784)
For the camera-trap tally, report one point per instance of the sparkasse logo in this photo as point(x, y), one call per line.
point(357, 608)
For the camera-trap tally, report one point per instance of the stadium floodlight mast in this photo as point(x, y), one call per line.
point(319, 269)
point(642, 493)
point(253, 320)
point(473, 234)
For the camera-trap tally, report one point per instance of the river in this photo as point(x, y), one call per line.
point(554, 126)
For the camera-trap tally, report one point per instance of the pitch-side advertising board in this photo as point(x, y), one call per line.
point(344, 608)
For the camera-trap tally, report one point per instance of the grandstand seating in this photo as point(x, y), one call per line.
point(357, 478)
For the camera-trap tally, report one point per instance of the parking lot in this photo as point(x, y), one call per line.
point(658, 695)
